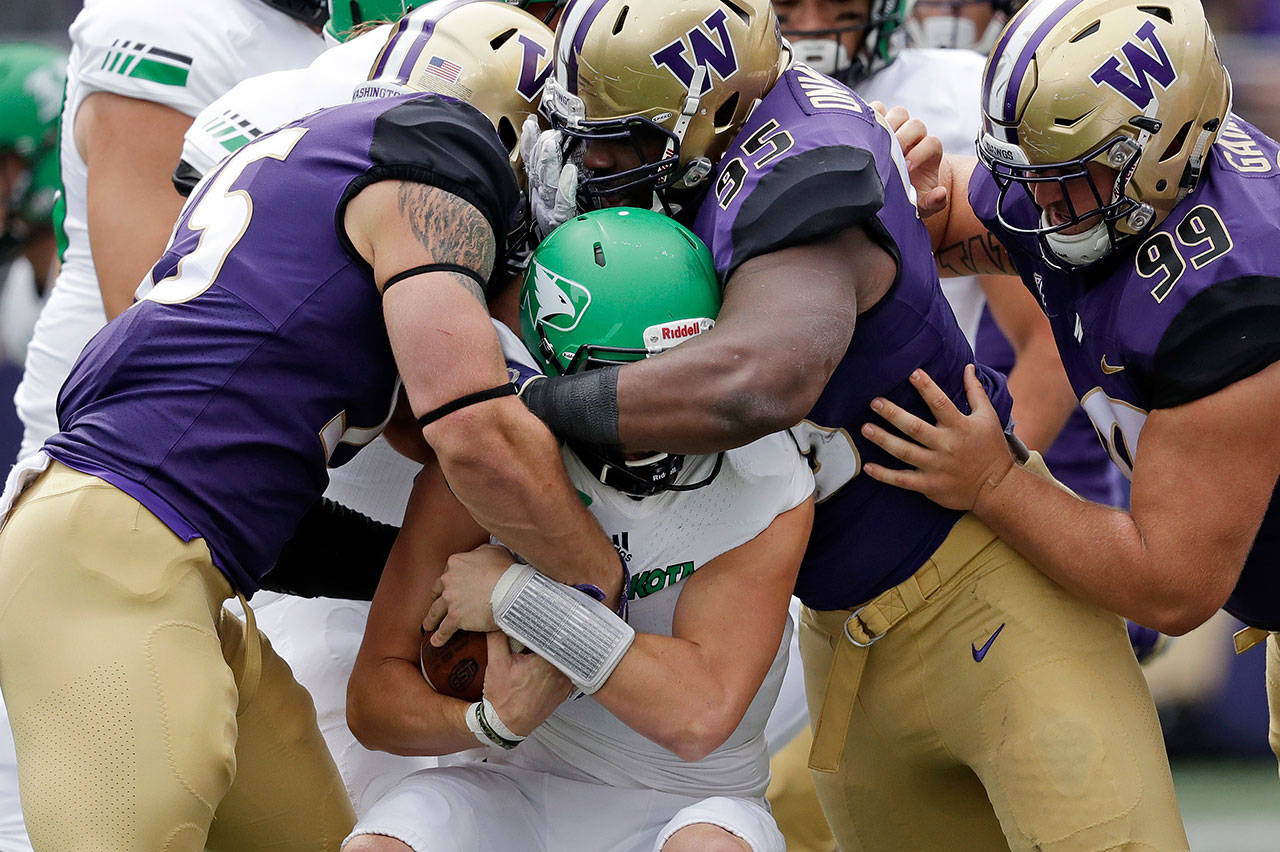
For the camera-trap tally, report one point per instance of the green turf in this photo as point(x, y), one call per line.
point(1230, 805)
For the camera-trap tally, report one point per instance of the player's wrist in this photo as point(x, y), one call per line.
point(484, 722)
point(996, 483)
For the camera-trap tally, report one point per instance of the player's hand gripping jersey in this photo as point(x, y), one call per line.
point(811, 161)
point(1193, 309)
point(260, 296)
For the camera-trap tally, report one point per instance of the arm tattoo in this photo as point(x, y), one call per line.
point(450, 229)
point(979, 255)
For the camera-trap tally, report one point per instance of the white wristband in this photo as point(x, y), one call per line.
point(483, 721)
point(578, 635)
point(490, 714)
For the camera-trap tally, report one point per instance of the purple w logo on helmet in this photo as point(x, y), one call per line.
point(721, 58)
point(1146, 67)
point(531, 79)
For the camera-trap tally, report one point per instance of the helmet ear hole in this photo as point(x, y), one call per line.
point(1162, 12)
point(1175, 145)
point(724, 115)
point(621, 20)
point(501, 38)
point(739, 11)
point(507, 133)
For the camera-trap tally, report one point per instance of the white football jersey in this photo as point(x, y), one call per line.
point(267, 101)
point(941, 88)
point(665, 539)
point(145, 49)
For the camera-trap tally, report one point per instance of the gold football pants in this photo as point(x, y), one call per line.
point(995, 711)
point(144, 716)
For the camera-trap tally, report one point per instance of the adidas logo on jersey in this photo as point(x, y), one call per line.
point(622, 544)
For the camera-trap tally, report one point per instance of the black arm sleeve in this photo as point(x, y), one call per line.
point(1224, 334)
point(336, 552)
point(806, 197)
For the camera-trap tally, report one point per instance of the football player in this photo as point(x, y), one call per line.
point(138, 73)
point(31, 80)
point(308, 278)
point(952, 686)
point(1137, 206)
point(342, 544)
point(862, 44)
point(667, 750)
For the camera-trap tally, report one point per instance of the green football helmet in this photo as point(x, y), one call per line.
point(32, 78)
point(346, 15)
point(610, 287)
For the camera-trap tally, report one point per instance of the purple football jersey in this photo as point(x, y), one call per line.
point(813, 160)
point(260, 356)
point(1191, 308)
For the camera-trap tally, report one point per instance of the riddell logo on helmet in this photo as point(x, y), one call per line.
point(665, 335)
point(720, 59)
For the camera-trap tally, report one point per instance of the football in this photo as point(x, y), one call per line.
point(456, 668)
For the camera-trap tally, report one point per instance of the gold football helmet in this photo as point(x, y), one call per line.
point(688, 71)
point(487, 53)
point(1136, 87)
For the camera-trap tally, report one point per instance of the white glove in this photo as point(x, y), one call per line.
point(553, 183)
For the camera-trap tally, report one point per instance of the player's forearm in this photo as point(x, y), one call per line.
point(668, 690)
point(505, 467)
point(1042, 397)
point(1098, 553)
point(707, 401)
point(390, 707)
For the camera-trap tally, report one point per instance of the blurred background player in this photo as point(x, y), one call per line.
point(959, 24)
point(32, 77)
point(489, 42)
point(138, 73)
point(666, 752)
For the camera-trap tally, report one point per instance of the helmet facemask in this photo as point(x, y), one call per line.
point(1061, 244)
point(657, 148)
point(1139, 88)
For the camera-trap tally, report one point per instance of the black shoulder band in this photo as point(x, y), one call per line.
point(434, 267)
point(463, 401)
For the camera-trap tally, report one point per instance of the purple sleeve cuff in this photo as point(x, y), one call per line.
point(594, 591)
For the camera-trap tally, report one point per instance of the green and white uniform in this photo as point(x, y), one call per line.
point(583, 759)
